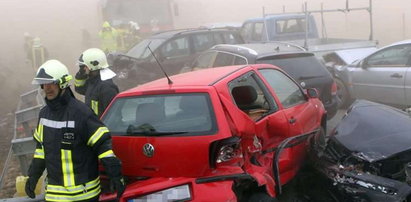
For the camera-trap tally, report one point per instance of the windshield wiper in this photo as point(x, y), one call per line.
point(308, 77)
point(147, 129)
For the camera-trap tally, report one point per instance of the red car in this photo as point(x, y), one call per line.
point(234, 133)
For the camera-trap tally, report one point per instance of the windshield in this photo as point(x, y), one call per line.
point(172, 114)
point(140, 51)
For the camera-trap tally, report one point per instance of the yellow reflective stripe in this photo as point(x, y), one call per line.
point(67, 168)
point(96, 136)
point(79, 82)
point(94, 106)
point(108, 153)
point(39, 153)
point(38, 133)
point(78, 197)
point(73, 189)
point(41, 132)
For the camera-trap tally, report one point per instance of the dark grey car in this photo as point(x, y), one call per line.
point(301, 65)
point(174, 49)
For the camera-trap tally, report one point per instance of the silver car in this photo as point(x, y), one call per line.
point(383, 76)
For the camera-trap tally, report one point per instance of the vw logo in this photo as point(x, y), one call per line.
point(148, 150)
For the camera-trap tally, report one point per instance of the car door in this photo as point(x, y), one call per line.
point(175, 54)
point(381, 76)
point(301, 115)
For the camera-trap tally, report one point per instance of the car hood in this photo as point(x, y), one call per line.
point(374, 131)
point(351, 55)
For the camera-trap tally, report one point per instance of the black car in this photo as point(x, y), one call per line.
point(173, 49)
point(301, 65)
point(367, 156)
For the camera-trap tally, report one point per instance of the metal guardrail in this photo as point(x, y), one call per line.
point(27, 111)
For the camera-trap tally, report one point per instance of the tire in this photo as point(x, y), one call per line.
point(343, 96)
point(261, 197)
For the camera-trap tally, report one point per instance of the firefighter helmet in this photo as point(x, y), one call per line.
point(94, 59)
point(53, 71)
point(106, 24)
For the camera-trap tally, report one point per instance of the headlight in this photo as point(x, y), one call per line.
point(180, 193)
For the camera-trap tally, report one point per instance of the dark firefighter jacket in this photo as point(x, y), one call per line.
point(98, 94)
point(70, 141)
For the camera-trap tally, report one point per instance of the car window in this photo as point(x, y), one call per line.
point(188, 113)
point(223, 59)
point(299, 68)
point(231, 38)
point(176, 48)
point(205, 60)
point(141, 51)
point(250, 97)
point(203, 42)
point(218, 38)
point(397, 56)
point(246, 31)
point(258, 31)
point(239, 60)
point(290, 25)
point(289, 93)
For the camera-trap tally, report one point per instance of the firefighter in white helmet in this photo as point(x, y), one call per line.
point(94, 80)
point(70, 141)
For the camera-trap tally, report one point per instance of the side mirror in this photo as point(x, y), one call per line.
point(312, 93)
point(364, 64)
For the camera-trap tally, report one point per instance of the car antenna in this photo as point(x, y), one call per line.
point(159, 64)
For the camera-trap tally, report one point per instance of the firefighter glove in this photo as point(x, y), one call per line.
point(31, 186)
point(117, 184)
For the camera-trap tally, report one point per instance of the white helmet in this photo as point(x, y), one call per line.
point(53, 71)
point(94, 59)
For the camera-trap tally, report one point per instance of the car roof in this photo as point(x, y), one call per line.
point(203, 77)
point(276, 16)
point(172, 33)
point(258, 50)
point(408, 41)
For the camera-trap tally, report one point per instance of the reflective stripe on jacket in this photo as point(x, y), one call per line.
point(98, 94)
point(70, 141)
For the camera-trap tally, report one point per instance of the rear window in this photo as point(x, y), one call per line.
point(298, 67)
point(161, 115)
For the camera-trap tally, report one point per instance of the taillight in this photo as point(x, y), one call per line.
point(225, 152)
point(334, 88)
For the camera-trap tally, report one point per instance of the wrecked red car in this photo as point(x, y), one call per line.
point(367, 157)
point(234, 133)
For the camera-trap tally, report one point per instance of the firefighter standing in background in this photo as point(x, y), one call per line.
point(37, 54)
point(70, 140)
point(94, 80)
point(109, 38)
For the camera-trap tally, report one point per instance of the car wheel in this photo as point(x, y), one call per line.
point(261, 197)
point(343, 96)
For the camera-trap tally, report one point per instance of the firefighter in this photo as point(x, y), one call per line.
point(94, 80)
point(70, 141)
point(37, 53)
point(109, 38)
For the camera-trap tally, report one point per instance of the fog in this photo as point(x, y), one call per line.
point(59, 24)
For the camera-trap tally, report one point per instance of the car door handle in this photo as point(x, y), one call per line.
point(396, 75)
point(292, 120)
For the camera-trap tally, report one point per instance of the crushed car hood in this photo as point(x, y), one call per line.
point(374, 131)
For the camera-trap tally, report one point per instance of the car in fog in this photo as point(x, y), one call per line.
point(174, 49)
point(367, 157)
point(336, 60)
point(236, 133)
point(302, 66)
point(384, 76)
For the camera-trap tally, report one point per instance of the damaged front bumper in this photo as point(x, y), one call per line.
point(357, 186)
